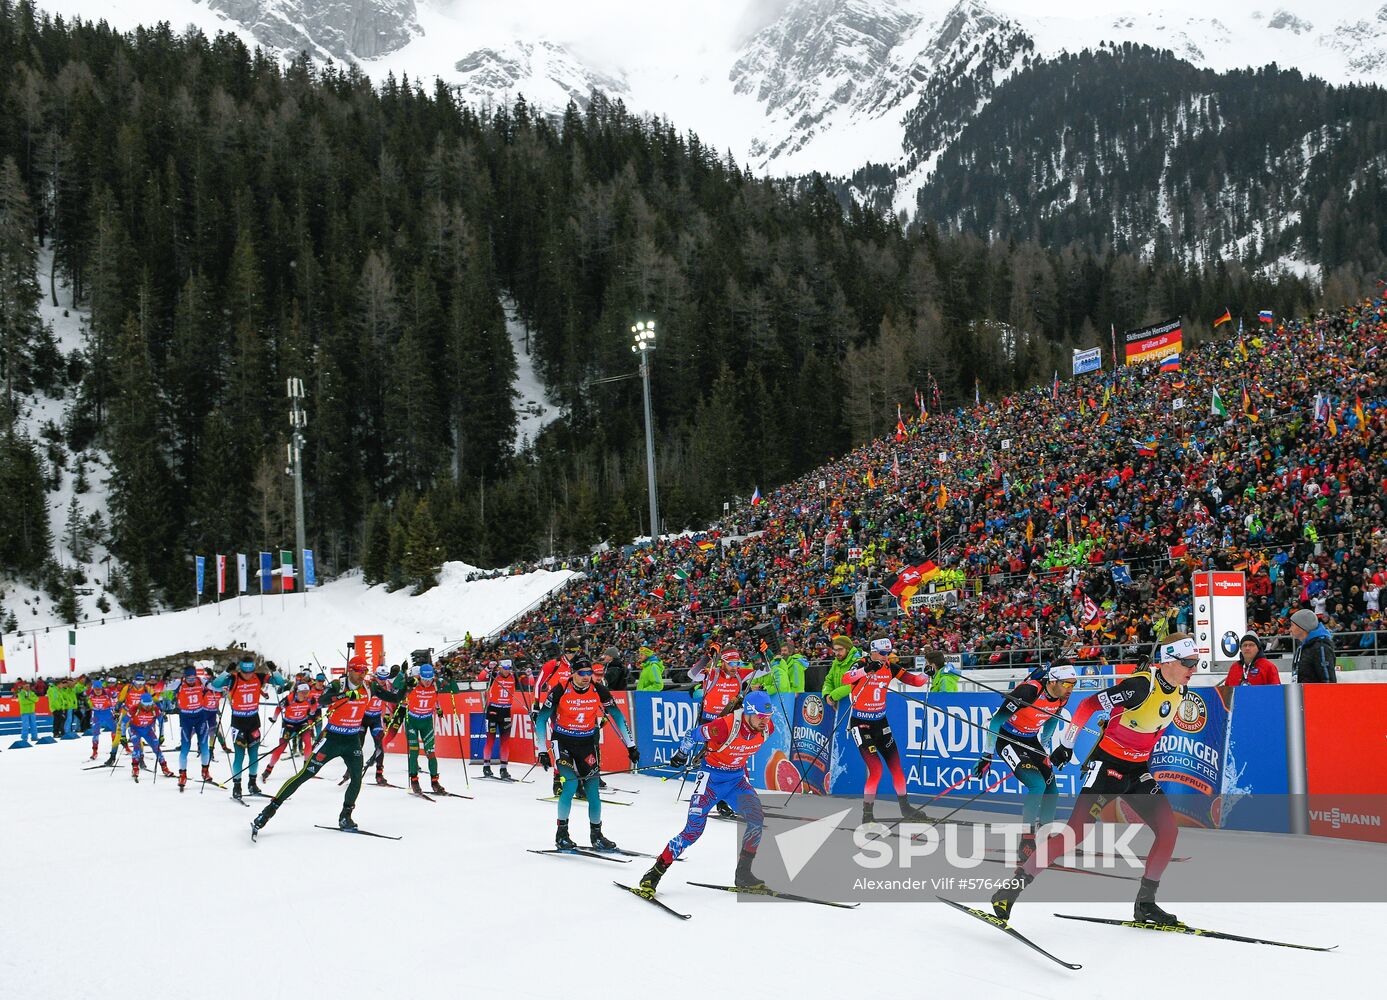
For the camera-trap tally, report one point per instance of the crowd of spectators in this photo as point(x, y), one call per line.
point(1071, 515)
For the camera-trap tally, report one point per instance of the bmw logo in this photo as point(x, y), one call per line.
point(1229, 644)
point(1165, 709)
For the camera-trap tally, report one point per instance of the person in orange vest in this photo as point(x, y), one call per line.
point(244, 687)
point(298, 711)
point(191, 694)
point(556, 671)
point(719, 692)
point(141, 730)
point(420, 703)
point(343, 707)
point(103, 702)
point(500, 696)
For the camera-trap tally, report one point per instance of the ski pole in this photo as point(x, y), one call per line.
point(969, 801)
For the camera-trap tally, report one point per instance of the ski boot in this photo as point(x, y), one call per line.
point(504, 774)
point(182, 779)
point(562, 841)
point(650, 881)
point(1005, 898)
point(254, 788)
point(1146, 911)
point(745, 878)
point(164, 769)
point(486, 771)
point(345, 821)
point(725, 810)
point(598, 841)
point(265, 775)
point(909, 814)
point(380, 775)
point(236, 789)
point(602, 784)
point(262, 817)
point(111, 760)
point(414, 785)
point(206, 772)
point(434, 784)
point(135, 771)
point(94, 752)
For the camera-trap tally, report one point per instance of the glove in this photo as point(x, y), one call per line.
point(634, 753)
point(544, 760)
point(1060, 756)
point(679, 759)
point(984, 762)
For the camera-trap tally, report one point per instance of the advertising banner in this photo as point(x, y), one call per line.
point(1345, 732)
point(937, 599)
point(1188, 760)
point(1151, 343)
point(811, 739)
point(1220, 616)
point(1088, 361)
point(373, 648)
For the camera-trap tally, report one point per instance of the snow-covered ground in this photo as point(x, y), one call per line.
point(533, 411)
point(459, 905)
point(294, 629)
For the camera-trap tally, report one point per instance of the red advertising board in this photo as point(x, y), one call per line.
point(373, 648)
point(9, 707)
point(461, 721)
point(1345, 728)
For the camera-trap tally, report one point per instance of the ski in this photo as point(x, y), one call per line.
point(629, 854)
point(776, 894)
point(992, 920)
point(421, 795)
point(359, 833)
point(605, 802)
point(452, 795)
point(622, 791)
point(508, 781)
point(580, 852)
point(240, 801)
point(98, 767)
point(1194, 931)
point(1140, 857)
point(1065, 868)
point(651, 899)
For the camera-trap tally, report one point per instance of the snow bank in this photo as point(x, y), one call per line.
point(295, 629)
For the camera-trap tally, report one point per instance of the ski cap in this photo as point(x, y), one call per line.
point(98, 683)
point(357, 663)
point(382, 671)
point(756, 703)
point(732, 657)
point(505, 665)
point(882, 645)
point(303, 687)
point(426, 672)
point(1180, 649)
point(139, 678)
point(146, 699)
point(1062, 672)
point(247, 666)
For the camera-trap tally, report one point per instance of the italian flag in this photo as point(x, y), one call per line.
point(1216, 406)
point(71, 651)
point(286, 570)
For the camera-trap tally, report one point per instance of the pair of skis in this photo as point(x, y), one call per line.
point(739, 890)
point(993, 920)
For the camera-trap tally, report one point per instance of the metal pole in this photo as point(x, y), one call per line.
point(298, 420)
point(650, 448)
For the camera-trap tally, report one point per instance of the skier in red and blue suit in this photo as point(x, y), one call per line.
point(103, 702)
point(141, 730)
point(731, 741)
point(194, 723)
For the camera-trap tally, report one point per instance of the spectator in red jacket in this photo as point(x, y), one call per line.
point(1251, 667)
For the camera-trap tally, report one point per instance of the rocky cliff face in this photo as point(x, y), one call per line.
point(346, 30)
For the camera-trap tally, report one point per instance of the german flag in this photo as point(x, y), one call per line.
point(1227, 317)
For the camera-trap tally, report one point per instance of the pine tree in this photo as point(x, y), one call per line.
point(375, 550)
point(23, 505)
point(423, 553)
point(19, 290)
point(74, 533)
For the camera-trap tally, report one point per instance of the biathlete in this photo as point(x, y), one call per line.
point(343, 706)
point(190, 695)
point(244, 687)
point(866, 684)
point(728, 743)
point(420, 703)
point(373, 723)
point(298, 711)
point(556, 671)
point(130, 697)
point(143, 719)
point(498, 702)
point(1026, 725)
point(576, 708)
point(719, 692)
point(1138, 710)
point(103, 701)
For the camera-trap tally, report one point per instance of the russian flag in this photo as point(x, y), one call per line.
point(755, 495)
point(1171, 362)
point(1264, 316)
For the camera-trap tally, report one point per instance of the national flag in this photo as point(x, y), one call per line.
point(3, 671)
point(1171, 362)
point(1030, 531)
point(241, 572)
point(1107, 395)
point(1104, 418)
point(1249, 408)
point(755, 495)
point(920, 404)
point(680, 573)
point(71, 651)
point(1216, 407)
point(943, 497)
point(1090, 615)
point(286, 570)
point(266, 572)
point(1055, 388)
point(1178, 551)
point(704, 544)
point(910, 579)
point(1227, 317)
point(871, 482)
point(221, 574)
point(201, 562)
point(900, 430)
point(896, 465)
point(1333, 428)
point(1264, 316)
point(1362, 417)
point(1321, 407)
point(1121, 575)
point(310, 576)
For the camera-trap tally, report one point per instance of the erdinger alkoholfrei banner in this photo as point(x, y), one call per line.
point(1151, 343)
point(811, 739)
point(1190, 759)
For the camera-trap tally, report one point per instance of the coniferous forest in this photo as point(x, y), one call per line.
point(230, 222)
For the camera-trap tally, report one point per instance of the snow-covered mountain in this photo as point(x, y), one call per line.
point(788, 86)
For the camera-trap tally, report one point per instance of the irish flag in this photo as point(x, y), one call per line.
point(1216, 407)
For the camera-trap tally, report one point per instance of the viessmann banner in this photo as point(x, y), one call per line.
point(1151, 343)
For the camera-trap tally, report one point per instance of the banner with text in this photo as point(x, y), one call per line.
point(1151, 343)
